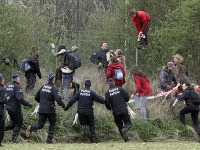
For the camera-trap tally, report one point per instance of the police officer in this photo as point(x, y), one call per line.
point(2, 102)
point(116, 98)
point(85, 98)
point(15, 99)
point(46, 96)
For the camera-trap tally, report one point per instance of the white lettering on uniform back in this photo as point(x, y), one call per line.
point(85, 93)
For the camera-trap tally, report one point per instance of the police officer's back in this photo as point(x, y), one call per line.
point(15, 99)
point(3, 100)
point(116, 98)
point(47, 95)
point(85, 98)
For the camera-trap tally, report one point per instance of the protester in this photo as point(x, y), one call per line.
point(141, 20)
point(109, 55)
point(47, 95)
point(15, 99)
point(100, 58)
point(188, 95)
point(116, 71)
point(3, 101)
point(30, 75)
point(63, 72)
point(85, 98)
point(167, 78)
point(143, 89)
point(116, 98)
point(120, 57)
point(181, 73)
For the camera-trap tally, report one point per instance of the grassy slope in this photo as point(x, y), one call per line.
point(103, 146)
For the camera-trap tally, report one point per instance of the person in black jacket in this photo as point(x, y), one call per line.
point(3, 100)
point(167, 78)
point(15, 98)
point(30, 75)
point(192, 108)
point(116, 98)
point(85, 98)
point(47, 95)
point(100, 58)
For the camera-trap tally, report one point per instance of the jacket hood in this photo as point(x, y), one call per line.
point(115, 66)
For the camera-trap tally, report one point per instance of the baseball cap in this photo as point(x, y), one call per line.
point(15, 75)
point(51, 76)
point(170, 64)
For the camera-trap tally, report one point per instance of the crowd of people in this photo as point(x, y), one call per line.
point(111, 65)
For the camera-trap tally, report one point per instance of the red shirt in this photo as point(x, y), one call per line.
point(110, 73)
point(140, 20)
point(143, 87)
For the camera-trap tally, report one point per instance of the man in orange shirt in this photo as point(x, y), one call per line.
point(141, 20)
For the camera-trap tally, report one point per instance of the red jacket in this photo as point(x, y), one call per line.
point(140, 20)
point(110, 73)
point(143, 87)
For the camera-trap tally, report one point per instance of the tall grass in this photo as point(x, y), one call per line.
point(162, 124)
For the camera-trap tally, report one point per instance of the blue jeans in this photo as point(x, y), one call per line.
point(66, 80)
point(141, 103)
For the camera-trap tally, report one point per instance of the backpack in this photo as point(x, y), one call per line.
point(93, 59)
point(195, 97)
point(25, 66)
point(74, 61)
point(118, 74)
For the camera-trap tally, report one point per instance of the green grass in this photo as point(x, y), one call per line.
point(105, 146)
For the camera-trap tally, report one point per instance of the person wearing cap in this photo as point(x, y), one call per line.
point(86, 98)
point(167, 78)
point(63, 73)
point(180, 71)
point(46, 96)
point(3, 101)
point(30, 75)
point(115, 100)
point(141, 20)
point(15, 98)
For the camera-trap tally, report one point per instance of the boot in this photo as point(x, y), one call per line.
point(124, 136)
point(1, 136)
point(93, 138)
point(50, 137)
point(29, 130)
point(126, 128)
point(14, 136)
point(83, 129)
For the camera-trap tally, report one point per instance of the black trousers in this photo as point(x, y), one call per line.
point(122, 120)
point(42, 120)
point(2, 125)
point(87, 120)
point(30, 81)
point(194, 111)
point(145, 33)
point(15, 125)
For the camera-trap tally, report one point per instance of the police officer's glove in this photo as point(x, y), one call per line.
point(66, 108)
